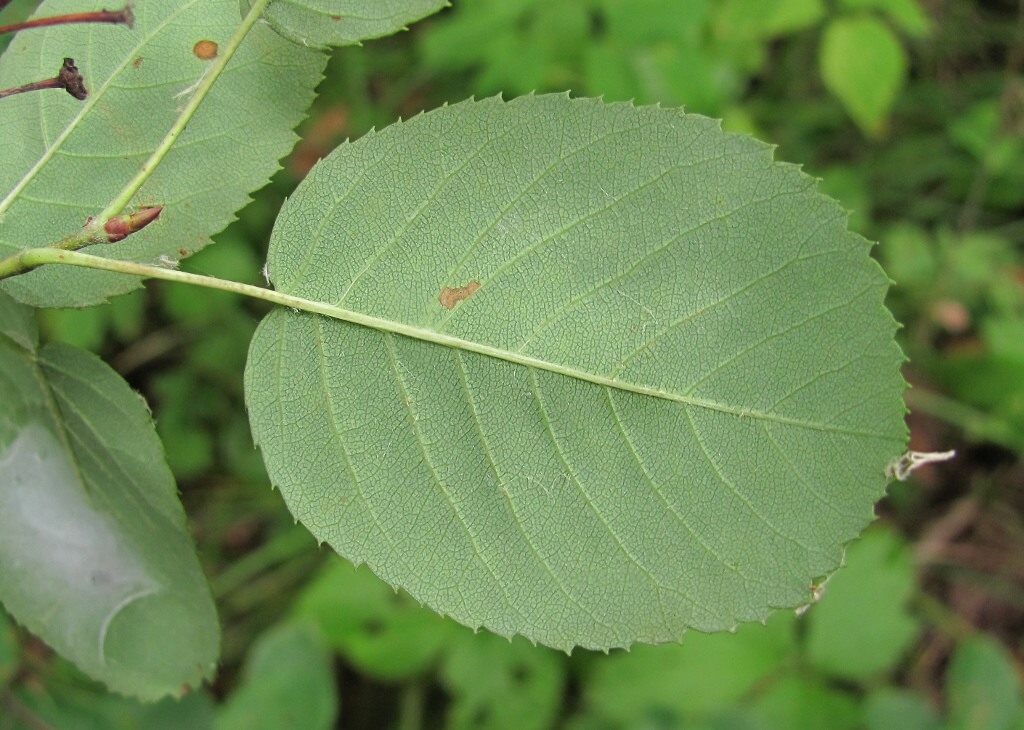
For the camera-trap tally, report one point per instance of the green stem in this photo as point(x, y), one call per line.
point(205, 84)
point(33, 257)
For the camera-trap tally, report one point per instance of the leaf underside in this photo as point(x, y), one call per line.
point(65, 160)
point(679, 395)
point(322, 23)
point(96, 557)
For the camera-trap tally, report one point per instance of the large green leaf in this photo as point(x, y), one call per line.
point(64, 159)
point(643, 378)
point(95, 555)
point(321, 23)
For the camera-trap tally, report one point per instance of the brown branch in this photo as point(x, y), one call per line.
point(68, 78)
point(123, 16)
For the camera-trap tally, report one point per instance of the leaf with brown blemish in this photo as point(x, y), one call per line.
point(671, 410)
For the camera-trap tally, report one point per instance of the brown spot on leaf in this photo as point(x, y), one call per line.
point(137, 62)
point(205, 50)
point(450, 297)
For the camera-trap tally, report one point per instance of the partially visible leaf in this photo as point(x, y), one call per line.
point(322, 23)
point(756, 19)
point(796, 701)
point(287, 682)
point(382, 633)
point(983, 687)
point(68, 703)
point(96, 557)
point(709, 673)
point(64, 160)
point(888, 707)
point(872, 591)
point(658, 390)
point(907, 13)
point(864, 65)
point(8, 649)
point(492, 679)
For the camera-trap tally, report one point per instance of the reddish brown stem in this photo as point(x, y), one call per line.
point(68, 78)
point(123, 16)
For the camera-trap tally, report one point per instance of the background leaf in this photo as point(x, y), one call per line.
point(66, 159)
point(692, 393)
point(97, 559)
point(491, 680)
point(383, 633)
point(287, 682)
point(872, 591)
point(984, 687)
point(321, 23)
point(864, 64)
point(706, 674)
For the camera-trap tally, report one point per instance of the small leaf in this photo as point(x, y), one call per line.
point(668, 404)
point(96, 557)
point(492, 679)
point(864, 64)
point(65, 160)
point(381, 633)
point(796, 701)
point(287, 682)
point(322, 23)
point(708, 674)
point(872, 591)
point(906, 13)
point(889, 707)
point(983, 687)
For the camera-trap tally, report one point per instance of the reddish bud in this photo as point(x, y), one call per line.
point(121, 226)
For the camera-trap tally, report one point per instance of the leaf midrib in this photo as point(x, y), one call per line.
point(518, 358)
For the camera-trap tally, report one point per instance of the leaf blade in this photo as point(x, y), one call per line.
point(569, 509)
point(97, 559)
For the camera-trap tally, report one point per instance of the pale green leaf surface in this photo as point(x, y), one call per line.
point(668, 405)
point(64, 159)
point(864, 65)
point(322, 23)
point(96, 557)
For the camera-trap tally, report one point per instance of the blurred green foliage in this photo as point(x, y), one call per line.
point(912, 111)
